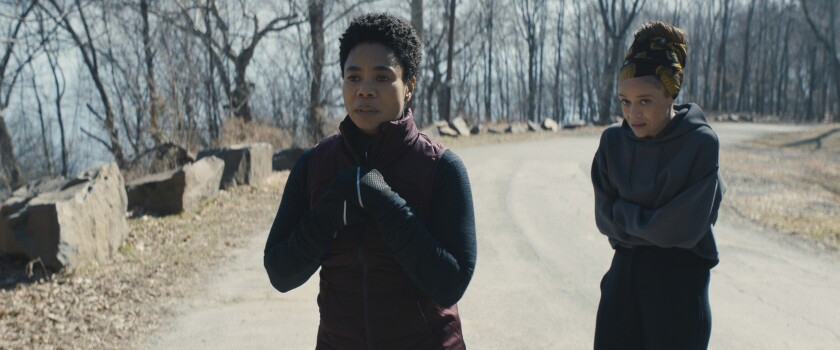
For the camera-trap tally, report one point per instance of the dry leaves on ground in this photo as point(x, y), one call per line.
point(114, 305)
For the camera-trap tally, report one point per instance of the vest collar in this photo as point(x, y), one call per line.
point(392, 140)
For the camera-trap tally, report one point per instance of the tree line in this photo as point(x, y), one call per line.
point(98, 80)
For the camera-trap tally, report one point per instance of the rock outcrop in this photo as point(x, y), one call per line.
point(244, 164)
point(66, 222)
point(178, 190)
point(285, 159)
point(460, 125)
point(550, 125)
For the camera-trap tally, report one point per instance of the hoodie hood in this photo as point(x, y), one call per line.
point(688, 117)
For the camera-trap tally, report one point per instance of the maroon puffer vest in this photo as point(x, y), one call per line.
point(366, 300)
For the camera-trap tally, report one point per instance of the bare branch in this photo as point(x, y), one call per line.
point(97, 139)
point(348, 10)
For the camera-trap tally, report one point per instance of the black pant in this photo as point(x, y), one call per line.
point(654, 298)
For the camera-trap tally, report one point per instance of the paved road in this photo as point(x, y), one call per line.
point(540, 262)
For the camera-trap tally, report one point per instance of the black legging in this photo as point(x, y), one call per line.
point(654, 298)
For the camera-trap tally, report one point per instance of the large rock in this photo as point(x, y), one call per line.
point(66, 222)
point(285, 159)
point(515, 128)
point(533, 126)
point(445, 130)
point(178, 190)
point(460, 125)
point(244, 164)
point(550, 125)
point(169, 156)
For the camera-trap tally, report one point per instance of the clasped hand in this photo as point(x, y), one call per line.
point(355, 194)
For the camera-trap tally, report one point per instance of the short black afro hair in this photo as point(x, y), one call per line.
point(388, 30)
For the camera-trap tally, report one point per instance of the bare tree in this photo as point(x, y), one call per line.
point(240, 92)
point(559, 87)
point(489, 18)
point(83, 39)
point(826, 38)
point(617, 16)
point(446, 99)
point(417, 16)
point(532, 14)
point(10, 175)
point(416, 101)
point(721, 84)
point(745, 66)
point(55, 70)
point(154, 100)
point(316, 103)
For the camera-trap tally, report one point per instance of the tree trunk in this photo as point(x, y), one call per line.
point(488, 66)
point(745, 66)
point(10, 177)
point(316, 105)
point(45, 144)
point(781, 93)
point(416, 101)
point(720, 85)
point(616, 20)
point(417, 17)
point(446, 103)
point(828, 43)
point(559, 105)
point(59, 94)
point(154, 102)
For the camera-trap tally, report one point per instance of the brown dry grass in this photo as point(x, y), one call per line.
point(788, 182)
point(235, 131)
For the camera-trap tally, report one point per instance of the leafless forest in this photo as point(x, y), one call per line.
point(87, 81)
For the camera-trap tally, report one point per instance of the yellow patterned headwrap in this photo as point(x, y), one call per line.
point(658, 57)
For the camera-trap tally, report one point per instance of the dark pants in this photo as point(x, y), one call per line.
point(654, 298)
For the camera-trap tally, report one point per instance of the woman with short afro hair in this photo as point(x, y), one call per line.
point(383, 210)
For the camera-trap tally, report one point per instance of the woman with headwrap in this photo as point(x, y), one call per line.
point(657, 194)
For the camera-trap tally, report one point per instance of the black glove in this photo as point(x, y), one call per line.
point(338, 206)
point(372, 190)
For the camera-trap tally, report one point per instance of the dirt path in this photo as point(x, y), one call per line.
point(540, 262)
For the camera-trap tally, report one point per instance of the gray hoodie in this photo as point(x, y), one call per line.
point(662, 191)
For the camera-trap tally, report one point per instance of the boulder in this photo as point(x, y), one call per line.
point(475, 130)
point(550, 125)
point(178, 190)
point(244, 164)
point(460, 125)
point(66, 222)
point(445, 130)
point(169, 156)
point(574, 124)
point(285, 159)
point(534, 127)
point(430, 130)
point(515, 128)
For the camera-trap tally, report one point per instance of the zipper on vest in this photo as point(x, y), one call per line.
point(365, 312)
